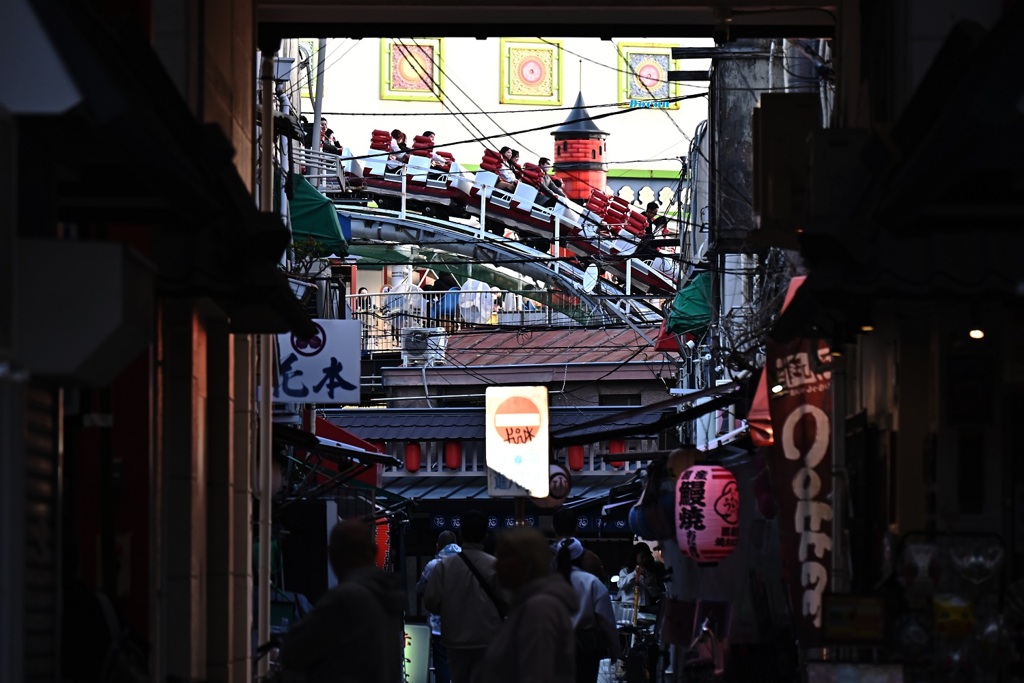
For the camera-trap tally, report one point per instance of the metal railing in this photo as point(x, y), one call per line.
point(385, 317)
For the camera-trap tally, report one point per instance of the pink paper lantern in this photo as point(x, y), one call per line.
point(707, 513)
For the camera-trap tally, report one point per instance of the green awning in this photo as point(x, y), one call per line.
point(691, 309)
point(315, 218)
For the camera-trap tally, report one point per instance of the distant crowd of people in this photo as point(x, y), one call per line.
point(537, 610)
point(510, 173)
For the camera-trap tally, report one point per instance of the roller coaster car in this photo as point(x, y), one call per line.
point(607, 230)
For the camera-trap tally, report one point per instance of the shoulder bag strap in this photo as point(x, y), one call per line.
point(483, 584)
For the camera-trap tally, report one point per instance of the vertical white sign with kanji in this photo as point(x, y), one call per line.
point(517, 441)
point(323, 369)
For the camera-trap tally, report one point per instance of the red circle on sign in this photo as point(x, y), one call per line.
point(531, 71)
point(517, 419)
point(313, 345)
point(649, 75)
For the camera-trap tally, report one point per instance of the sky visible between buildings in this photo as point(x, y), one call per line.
point(512, 91)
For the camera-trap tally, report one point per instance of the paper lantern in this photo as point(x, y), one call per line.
point(616, 447)
point(452, 455)
point(707, 513)
point(576, 457)
point(382, 539)
point(413, 456)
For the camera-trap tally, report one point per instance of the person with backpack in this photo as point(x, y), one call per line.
point(594, 620)
point(463, 589)
point(536, 644)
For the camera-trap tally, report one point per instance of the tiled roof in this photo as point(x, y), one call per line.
point(528, 347)
point(578, 122)
point(594, 487)
point(423, 424)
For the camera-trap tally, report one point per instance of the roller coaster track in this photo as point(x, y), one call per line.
point(607, 303)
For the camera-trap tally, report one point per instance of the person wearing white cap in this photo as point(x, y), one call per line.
point(594, 620)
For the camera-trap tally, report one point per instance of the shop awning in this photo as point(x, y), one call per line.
point(758, 419)
point(314, 218)
point(690, 310)
point(442, 424)
point(474, 487)
point(364, 454)
point(336, 458)
point(569, 425)
point(655, 417)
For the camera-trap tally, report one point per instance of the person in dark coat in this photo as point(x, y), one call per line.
point(355, 632)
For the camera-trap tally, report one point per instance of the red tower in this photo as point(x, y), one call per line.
point(579, 154)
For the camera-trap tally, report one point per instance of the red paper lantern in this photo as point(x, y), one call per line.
point(616, 447)
point(452, 455)
point(382, 538)
point(576, 456)
point(413, 456)
point(707, 513)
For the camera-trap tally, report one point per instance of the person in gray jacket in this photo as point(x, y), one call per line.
point(446, 547)
point(536, 644)
point(355, 633)
point(469, 615)
point(594, 619)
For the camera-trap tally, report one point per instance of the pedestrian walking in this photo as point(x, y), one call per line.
point(463, 590)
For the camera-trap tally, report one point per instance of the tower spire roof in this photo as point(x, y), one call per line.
point(578, 122)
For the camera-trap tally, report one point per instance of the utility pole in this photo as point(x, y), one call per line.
point(739, 74)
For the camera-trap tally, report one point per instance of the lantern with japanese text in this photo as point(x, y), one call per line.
point(413, 456)
point(576, 457)
point(452, 455)
point(707, 513)
point(616, 447)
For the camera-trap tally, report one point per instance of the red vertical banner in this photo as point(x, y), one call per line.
point(800, 405)
point(382, 537)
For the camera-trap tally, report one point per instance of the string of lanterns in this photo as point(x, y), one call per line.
point(703, 512)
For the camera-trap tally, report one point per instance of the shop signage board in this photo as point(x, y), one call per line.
point(417, 653)
point(559, 486)
point(517, 426)
point(324, 369)
point(801, 419)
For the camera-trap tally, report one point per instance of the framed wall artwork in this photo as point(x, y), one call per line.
point(643, 74)
point(410, 69)
point(531, 71)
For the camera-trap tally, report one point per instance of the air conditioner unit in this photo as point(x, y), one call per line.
point(423, 345)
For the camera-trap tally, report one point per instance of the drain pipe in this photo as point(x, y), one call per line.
point(266, 364)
